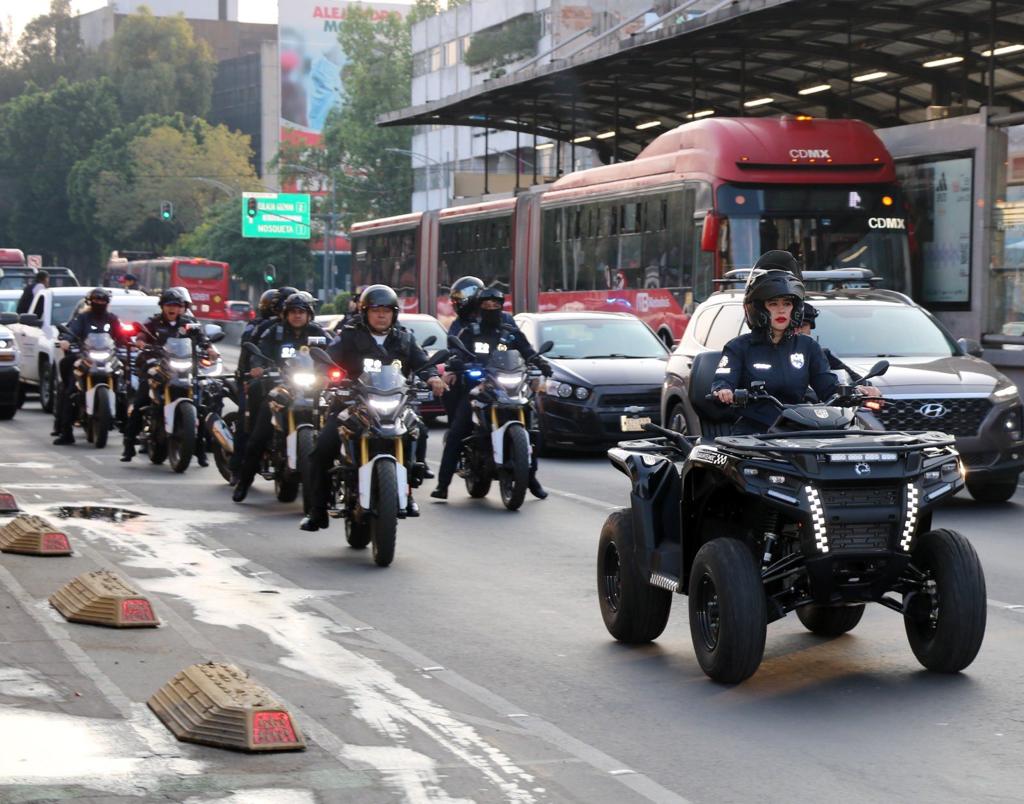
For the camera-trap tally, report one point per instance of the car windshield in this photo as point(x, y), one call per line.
point(854, 329)
point(423, 328)
point(592, 338)
point(64, 307)
point(140, 310)
point(8, 305)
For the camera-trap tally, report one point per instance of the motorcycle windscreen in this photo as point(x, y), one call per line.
point(384, 379)
point(99, 342)
point(507, 360)
point(178, 347)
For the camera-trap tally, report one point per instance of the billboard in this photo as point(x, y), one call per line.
point(311, 61)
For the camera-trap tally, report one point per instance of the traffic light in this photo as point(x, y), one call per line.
point(250, 208)
point(166, 211)
point(270, 273)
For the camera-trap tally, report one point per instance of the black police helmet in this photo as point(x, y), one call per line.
point(298, 301)
point(268, 300)
point(783, 260)
point(493, 293)
point(378, 296)
point(464, 293)
point(101, 295)
point(174, 296)
point(282, 295)
point(810, 314)
point(763, 285)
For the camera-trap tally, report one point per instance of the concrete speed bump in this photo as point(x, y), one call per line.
point(34, 536)
point(8, 505)
point(103, 598)
point(219, 705)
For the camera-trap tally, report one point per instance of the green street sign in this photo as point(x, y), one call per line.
point(281, 215)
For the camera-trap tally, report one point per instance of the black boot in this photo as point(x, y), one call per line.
point(64, 439)
point(440, 493)
point(411, 509)
point(201, 459)
point(536, 489)
point(242, 488)
point(427, 473)
point(128, 453)
point(314, 520)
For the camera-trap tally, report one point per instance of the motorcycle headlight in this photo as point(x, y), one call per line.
point(304, 379)
point(385, 405)
point(99, 355)
point(510, 380)
point(181, 365)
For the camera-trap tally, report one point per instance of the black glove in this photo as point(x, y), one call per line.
point(543, 365)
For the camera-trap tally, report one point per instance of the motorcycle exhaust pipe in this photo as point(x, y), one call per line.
point(216, 427)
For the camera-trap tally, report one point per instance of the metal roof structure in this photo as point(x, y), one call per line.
point(882, 62)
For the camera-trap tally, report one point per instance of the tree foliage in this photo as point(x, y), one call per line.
point(159, 67)
point(120, 187)
point(514, 39)
point(219, 237)
point(373, 181)
point(42, 136)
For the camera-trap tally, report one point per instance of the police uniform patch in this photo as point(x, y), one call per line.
point(723, 365)
point(797, 359)
point(763, 366)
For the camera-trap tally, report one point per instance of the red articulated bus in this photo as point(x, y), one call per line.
point(207, 281)
point(650, 236)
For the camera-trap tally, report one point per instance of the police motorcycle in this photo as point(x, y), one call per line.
point(98, 378)
point(499, 446)
point(368, 483)
point(176, 392)
point(219, 425)
point(816, 516)
point(294, 404)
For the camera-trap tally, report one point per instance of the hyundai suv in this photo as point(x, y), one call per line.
point(934, 382)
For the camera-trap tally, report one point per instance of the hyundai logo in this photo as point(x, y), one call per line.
point(933, 410)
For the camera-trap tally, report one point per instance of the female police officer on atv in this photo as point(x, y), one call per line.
point(773, 352)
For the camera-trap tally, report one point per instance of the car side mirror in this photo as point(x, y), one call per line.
point(29, 320)
point(971, 347)
point(8, 318)
point(709, 232)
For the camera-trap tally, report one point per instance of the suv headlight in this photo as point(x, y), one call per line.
point(1013, 424)
point(1003, 393)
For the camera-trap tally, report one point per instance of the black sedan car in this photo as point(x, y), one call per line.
point(608, 372)
point(934, 382)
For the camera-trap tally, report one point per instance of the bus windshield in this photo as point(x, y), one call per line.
point(824, 227)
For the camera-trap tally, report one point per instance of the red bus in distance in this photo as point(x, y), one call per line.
point(207, 281)
point(650, 236)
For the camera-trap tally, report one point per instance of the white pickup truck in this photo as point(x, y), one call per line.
point(37, 333)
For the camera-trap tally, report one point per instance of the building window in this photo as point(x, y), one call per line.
point(435, 59)
point(451, 53)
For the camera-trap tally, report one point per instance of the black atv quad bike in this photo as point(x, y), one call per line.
point(814, 516)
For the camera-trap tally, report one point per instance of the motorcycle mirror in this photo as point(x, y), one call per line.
point(214, 332)
point(8, 318)
point(63, 330)
point(545, 347)
point(320, 356)
point(437, 358)
point(254, 350)
point(458, 346)
point(429, 342)
point(877, 370)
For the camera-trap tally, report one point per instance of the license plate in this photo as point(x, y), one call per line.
point(633, 424)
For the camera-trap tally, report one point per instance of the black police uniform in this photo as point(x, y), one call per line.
point(251, 334)
point(349, 350)
point(154, 333)
point(787, 368)
point(481, 339)
point(278, 343)
point(81, 325)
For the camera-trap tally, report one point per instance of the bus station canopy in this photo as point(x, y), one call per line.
point(887, 63)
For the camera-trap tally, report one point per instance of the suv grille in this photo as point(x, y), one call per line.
point(868, 536)
point(960, 417)
point(860, 496)
point(644, 398)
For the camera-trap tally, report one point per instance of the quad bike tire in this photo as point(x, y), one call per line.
point(830, 620)
point(384, 518)
point(728, 613)
point(513, 482)
point(101, 419)
point(633, 611)
point(181, 444)
point(994, 490)
point(947, 628)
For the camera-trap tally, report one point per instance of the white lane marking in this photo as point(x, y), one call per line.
point(569, 495)
point(47, 486)
point(222, 593)
point(26, 465)
point(260, 795)
point(998, 604)
point(410, 771)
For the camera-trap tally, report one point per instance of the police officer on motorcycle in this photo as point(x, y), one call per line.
point(173, 315)
point(376, 336)
point(491, 326)
point(93, 319)
point(773, 352)
point(278, 342)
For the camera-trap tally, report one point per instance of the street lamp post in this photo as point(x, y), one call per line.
point(429, 160)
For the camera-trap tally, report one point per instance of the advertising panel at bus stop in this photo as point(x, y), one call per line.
point(311, 64)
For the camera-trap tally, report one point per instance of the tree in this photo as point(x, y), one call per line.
point(372, 181)
point(159, 67)
point(219, 237)
point(119, 189)
point(42, 135)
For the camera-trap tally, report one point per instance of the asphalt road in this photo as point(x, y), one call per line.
point(475, 668)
